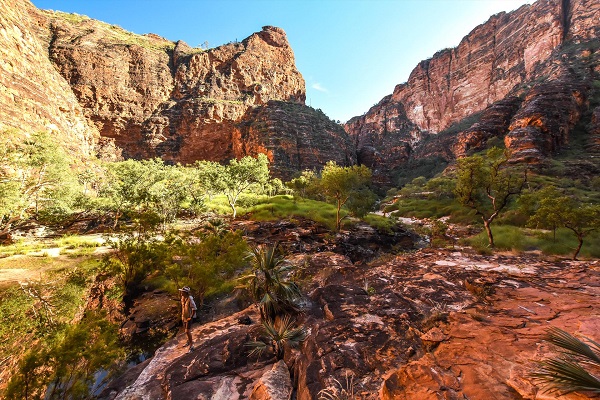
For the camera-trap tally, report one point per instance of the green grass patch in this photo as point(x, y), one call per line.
point(75, 242)
point(284, 206)
point(218, 204)
point(433, 208)
point(23, 247)
point(382, 224)
point(512, 238)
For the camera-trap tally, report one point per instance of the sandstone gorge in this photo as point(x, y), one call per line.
point(528, 76)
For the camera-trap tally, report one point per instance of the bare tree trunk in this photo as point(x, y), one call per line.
point(488, 229)
point(580, 239)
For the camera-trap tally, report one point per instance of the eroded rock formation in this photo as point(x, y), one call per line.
point(529, 72)
point(107, 90)
point(33, 95)
point(428, 324)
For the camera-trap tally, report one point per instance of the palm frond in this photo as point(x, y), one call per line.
point(257, 348)
point(270, 329)
point(566, 376)
point(288, 290)
point(574, 346)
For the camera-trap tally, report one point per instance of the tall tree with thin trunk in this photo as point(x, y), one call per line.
point(487, 184)
point(238, 176)
point(347, 186)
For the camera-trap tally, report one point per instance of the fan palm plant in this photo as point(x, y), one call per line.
point(568, 373)
point(268, 282)
point(278, 335)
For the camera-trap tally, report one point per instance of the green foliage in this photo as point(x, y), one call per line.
point(35, 176)
point(282, 207)
point(66, 365)
point(135, 256)
point(269, 284)
point(32, 314)
point(505, 238)
point(279, 334)
point(205, 262)
point(511, 238)
point(486, 185)
point(571, 371)
point(347, 186)
point(552, 209)
point(301, 185)
point(380, 223)
point(238, 176)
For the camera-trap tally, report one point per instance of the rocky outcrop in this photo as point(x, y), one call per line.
point(542, 125)
point(295, 137)
point(545, 54)
point(494, 122)
point(433, 323)
point(141, 96)
point(158, 98)
point(429, 324)
point(33, 95)
point(274, 384)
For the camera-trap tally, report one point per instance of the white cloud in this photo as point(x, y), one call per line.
point(317, 86)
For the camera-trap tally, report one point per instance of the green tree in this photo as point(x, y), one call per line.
point(168, 192)
point(125, 186)
point(487, 184)
point(34, 174)
point(555, 210)
point(544, 208)
point(206, 179)
point(238, 176)
point(301, 184)
point(347, 185)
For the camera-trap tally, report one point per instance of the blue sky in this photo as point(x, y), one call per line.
point(350, 52)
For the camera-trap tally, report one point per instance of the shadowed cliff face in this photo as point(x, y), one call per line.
point(294, 137)
point(529, 72)
point(33, 96)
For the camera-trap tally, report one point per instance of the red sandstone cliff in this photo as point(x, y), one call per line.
point(158, 98)
point(527, 74)
point(144, 96)
point(33, 95)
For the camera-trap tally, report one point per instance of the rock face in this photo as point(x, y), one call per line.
point(109, 91)
point(294, 137)
point(424, 325)
point(527, 74)
point(158, 98)
point(274, 384)
point(33, 95)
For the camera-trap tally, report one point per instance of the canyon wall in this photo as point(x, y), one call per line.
point(108, 91)
point(525, 76)
point(33, 95)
